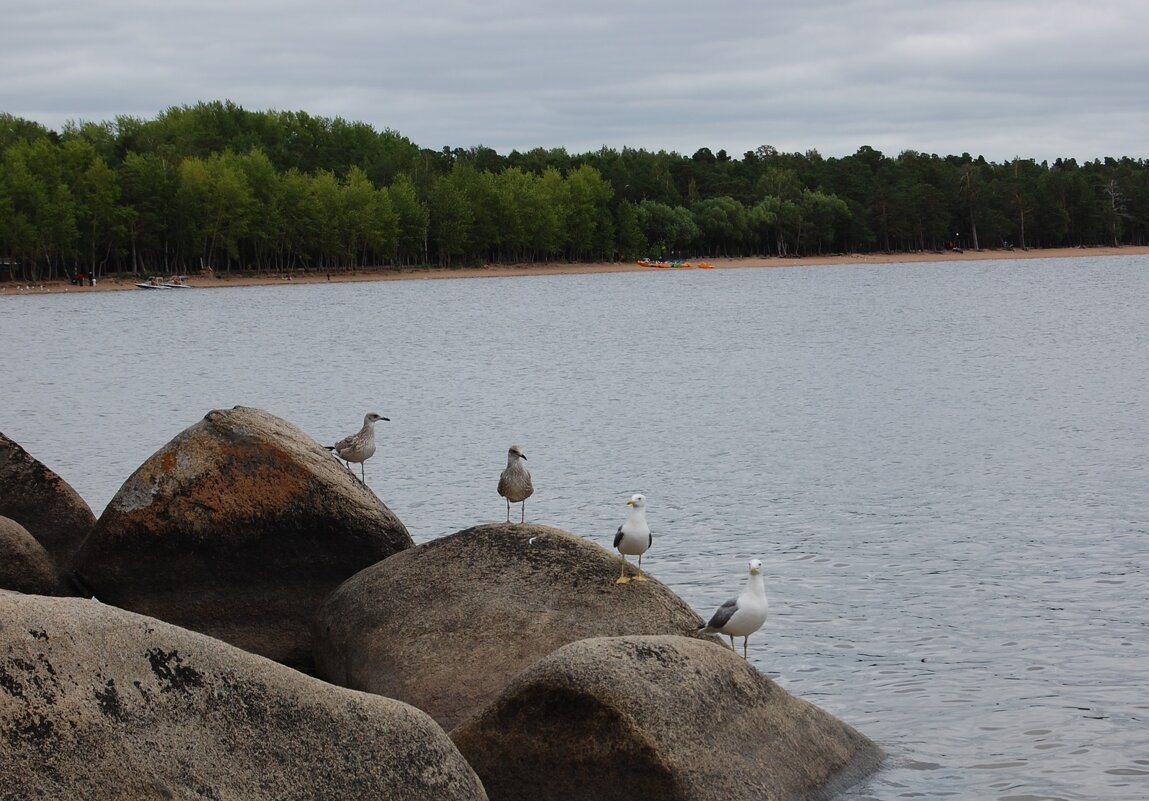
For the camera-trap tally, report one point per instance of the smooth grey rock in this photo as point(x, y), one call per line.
point(42, 502)
point(665, 717)
point(24, 564)
point(101, 704)
point(447, 624)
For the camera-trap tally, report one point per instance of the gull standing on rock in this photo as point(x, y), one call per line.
point(633, 537)
point(744, 615)
point(360, 446)
point(515, 482)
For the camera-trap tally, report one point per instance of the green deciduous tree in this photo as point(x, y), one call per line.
point(216, 202)
point(412, 221)
point(451, 217)
point(269, 190)
point(589, 225)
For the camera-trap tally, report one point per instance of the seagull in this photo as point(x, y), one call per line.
point(744, 615)
point(633, 536)
point(360, 446)
point(515, 482)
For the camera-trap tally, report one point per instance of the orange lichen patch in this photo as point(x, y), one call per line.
point(238, 528)
point(248, 479)
point(197, 481)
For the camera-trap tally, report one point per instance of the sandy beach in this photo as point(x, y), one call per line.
point(222, 280)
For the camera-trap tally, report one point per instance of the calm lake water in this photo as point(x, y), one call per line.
point(943, 466)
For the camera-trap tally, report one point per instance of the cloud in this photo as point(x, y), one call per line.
point(1025, 78)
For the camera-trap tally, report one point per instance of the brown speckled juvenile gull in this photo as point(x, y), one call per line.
point(360, 446)
point(515, 482)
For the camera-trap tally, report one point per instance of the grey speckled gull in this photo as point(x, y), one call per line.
point(360, 446)
point(515, 482)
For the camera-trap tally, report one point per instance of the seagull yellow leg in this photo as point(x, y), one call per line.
point(640, 576)
point(623, 578)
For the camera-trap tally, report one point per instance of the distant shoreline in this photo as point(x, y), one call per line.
point(223, 280)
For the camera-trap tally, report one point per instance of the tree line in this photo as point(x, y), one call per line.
point(217, 186)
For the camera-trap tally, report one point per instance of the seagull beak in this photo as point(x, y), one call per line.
point(388, 419)
point(630, 502)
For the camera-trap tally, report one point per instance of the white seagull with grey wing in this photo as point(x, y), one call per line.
point(633, 537)
point(360, 446)
point(744, 615)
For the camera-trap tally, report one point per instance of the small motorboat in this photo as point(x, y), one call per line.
point(179, 282)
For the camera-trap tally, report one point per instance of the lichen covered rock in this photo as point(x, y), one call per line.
point(238, 528)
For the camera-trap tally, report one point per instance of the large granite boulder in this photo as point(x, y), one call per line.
point(24, 564)
point(447, 624)
point(660, 717)
point(102, 704)
point(238, 528)
point(42, 502)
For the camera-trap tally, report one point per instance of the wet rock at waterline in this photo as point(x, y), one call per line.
point(665, 717)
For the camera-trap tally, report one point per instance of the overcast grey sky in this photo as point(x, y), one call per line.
point(1000, 78)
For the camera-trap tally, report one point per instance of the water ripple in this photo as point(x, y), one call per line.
point(942, 466)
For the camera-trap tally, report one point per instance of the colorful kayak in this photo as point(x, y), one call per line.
point(674, 265)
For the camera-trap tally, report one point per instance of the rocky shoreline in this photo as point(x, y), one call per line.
point(247, 620)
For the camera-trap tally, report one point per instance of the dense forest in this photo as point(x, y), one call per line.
point(216, 186)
